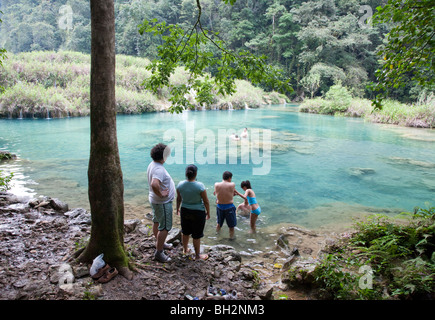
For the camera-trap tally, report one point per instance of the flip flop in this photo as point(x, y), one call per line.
point(101, 272)
point(202, 257)
point(108, 275)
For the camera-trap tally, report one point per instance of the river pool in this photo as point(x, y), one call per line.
point(311, 170)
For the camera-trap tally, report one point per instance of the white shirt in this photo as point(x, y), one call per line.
point(157, 171)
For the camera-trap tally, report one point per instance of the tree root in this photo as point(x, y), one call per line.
point(126, 273)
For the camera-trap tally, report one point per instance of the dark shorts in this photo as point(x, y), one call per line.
point(228, 215)
point(192, 222)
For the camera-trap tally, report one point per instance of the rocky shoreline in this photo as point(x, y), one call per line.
point(38, 239)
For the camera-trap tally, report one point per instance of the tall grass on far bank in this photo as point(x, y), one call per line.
point(338, 101)
point(57, 84)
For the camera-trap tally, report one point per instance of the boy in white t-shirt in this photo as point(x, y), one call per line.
point(161, 194)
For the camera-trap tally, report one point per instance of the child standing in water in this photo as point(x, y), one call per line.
point(252, 202)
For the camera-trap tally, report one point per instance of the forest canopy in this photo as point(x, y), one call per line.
point(316, 43)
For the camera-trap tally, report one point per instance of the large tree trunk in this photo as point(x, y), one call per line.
point(106, 189)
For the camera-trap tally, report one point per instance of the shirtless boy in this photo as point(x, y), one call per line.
point(225, 210)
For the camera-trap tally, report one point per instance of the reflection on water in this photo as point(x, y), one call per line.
point(324, 171)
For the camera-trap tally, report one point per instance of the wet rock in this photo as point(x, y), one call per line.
point(54, 275)
point(58, 205)
point(358, 172)
point(60, 222)
point(146, 230)
point(6, 155)
point(222, 247)
point(130, 225)
point(411, 162)
point(74, 290)
point(18, 207)
point(301, 273)
point(282, 242)
point(33, 203)
point(173, 235)
point(265, 293)
point(288, 262)
point(7, 199)
point(78, 216)
point(21, 283)
point(42, 204)
point(235, 265)
point(35, 290)
point(31, 215)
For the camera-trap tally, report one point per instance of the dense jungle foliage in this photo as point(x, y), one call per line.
point(316, 43)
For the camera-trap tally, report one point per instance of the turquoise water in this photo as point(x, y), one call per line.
point(321, 170)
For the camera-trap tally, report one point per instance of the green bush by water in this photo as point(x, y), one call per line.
point(401, 257)
point(5, 181)
point(339, 101)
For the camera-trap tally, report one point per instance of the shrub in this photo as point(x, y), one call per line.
point(401, 256)
point(339, 101)
point(417, 115)
point(246, 95)
point(339, 98)
point(128, 101)
point(5, 181)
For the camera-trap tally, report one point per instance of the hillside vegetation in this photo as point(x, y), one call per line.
point(56, 84)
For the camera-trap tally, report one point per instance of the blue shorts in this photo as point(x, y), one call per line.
point(256, 211)
point(226, 213)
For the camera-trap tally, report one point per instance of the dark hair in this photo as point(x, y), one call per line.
point(227, 175)
point(157, 151)
point(246, 184)
point(191, 171)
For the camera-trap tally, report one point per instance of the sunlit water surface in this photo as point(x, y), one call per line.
point(316, 171)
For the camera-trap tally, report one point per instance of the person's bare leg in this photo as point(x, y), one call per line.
point(155, 229)
point(185, 240)
point(161, 238)
point(231, 233)
point(253, 220)
point(197, 246)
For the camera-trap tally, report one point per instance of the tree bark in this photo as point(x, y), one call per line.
point(106, 188)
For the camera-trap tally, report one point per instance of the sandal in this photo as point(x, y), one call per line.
point(187, 253)
point(108, 275)
point(202, 257)
point(101, 272)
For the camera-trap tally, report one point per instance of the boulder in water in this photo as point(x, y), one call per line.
point(358, 172)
